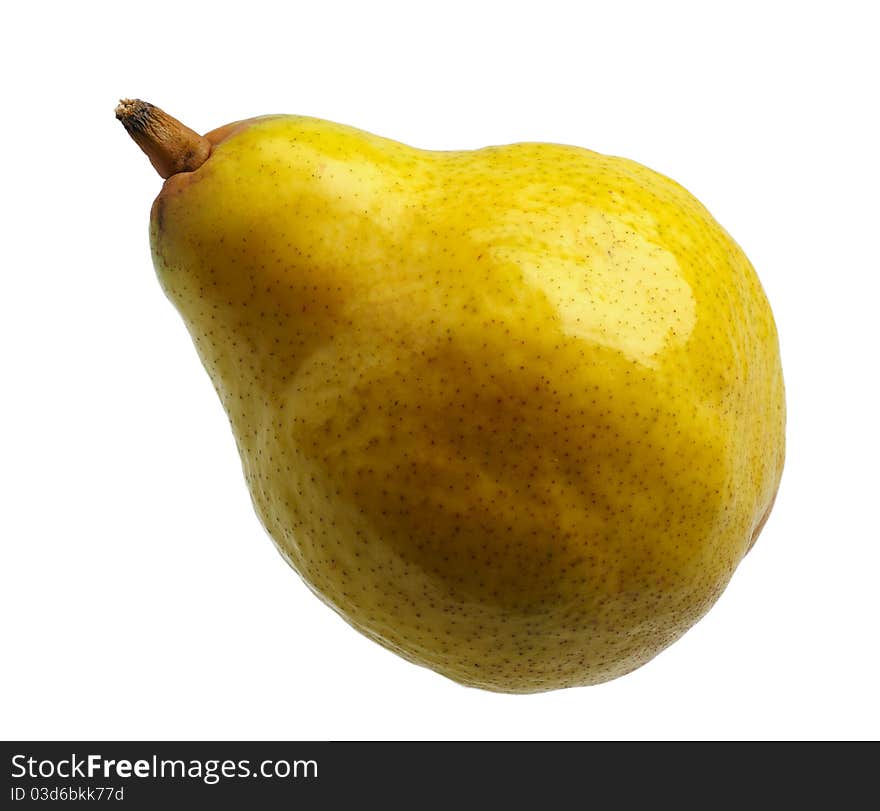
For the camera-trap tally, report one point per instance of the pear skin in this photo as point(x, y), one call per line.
point(516, 414)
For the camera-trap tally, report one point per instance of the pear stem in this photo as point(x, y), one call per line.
point(171, 146)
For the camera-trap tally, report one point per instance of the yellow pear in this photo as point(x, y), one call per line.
point(516, 414)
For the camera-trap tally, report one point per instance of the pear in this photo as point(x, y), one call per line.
point(516, 414)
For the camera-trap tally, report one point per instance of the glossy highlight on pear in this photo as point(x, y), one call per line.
point(517, 413)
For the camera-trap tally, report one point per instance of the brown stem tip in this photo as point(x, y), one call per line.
point(171, 146)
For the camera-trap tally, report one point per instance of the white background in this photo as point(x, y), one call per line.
point(140, 597)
